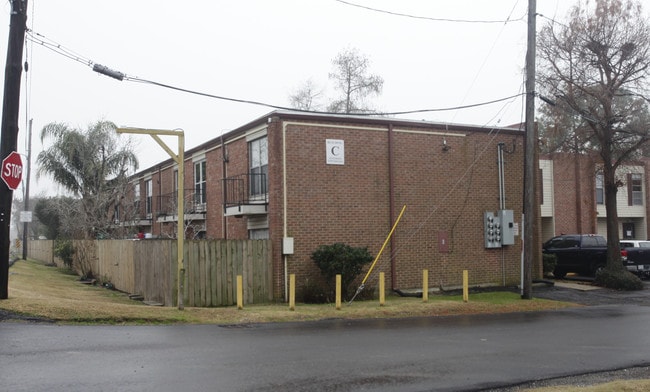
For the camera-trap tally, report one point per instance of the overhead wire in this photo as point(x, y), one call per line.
point(70, 54)
point(426, 17)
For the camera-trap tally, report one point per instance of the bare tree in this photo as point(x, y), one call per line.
point(306, 97)
point(352, 80)
point(596, 67)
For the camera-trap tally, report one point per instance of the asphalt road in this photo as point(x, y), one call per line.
point(457, 353)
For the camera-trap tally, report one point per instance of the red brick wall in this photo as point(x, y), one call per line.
point(574, 194)
point(444, 191)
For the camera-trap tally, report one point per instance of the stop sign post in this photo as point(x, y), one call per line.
point(12, 170)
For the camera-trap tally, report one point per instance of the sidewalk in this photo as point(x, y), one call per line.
point(586, 294)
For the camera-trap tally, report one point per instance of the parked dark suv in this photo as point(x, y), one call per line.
point(581, 253)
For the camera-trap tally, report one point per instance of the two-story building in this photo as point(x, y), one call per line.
point(573, 196)
point(305, 180)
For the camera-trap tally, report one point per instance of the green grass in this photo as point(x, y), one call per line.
point(43, 291)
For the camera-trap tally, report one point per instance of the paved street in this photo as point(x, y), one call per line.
point(427, 354)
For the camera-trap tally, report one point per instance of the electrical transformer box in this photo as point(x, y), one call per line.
point(492, 230)
point(507, 227)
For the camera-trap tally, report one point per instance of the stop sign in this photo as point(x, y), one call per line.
point(12, 170)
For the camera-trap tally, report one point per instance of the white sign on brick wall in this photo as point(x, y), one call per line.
point(335, 151)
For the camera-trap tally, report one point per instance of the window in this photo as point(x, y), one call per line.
point(136, 198)
point(259, 162)
point(600, 190)
point(200, 192)
point(116, 213)
point(148, 185)
point(635, 189)
point(258, 234)
point(176, 180)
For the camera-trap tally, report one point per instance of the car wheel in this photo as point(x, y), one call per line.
point(598, 268)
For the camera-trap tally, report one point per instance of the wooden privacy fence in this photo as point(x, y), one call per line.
point(148, 268)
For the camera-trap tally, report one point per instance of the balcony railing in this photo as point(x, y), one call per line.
point(245, 194)
point(167, 204)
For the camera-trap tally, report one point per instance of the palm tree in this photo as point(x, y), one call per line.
point(92, 165)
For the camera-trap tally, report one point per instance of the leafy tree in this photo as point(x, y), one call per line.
point(93, 166)
point(596, 66)
point(341, 259)
point(47, 212)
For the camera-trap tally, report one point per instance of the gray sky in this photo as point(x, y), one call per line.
point(262, 50)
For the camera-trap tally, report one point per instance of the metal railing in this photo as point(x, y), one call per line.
point(167, 204)
point(248, 188)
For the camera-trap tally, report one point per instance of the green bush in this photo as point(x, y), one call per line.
point(549, 262)
point(341, 259)
point(313, 293)
point(65, 251)
point(620, 279)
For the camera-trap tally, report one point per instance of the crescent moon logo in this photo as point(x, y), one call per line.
point(335, 150)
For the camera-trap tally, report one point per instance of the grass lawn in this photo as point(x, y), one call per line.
point(53, 293)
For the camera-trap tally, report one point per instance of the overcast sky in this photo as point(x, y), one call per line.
point(262, 50)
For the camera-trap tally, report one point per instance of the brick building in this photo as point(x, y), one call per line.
point(573, 197)
point(304, 180)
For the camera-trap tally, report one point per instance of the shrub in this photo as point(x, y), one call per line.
point(313, 293)
point(619, 279)
point(65, 251)
point(549, 262)
point(341, 259)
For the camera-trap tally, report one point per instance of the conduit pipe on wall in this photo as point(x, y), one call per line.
point(502, 203)
point(391, 208)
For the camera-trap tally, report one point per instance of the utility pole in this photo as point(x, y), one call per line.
point(529, 156)
point(26, 194)
point(9, 130)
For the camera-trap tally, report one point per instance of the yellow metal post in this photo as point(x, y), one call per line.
point(425, 285)
point(338, 291)
point(465, 285)
point(179, 158)
point(382, 289)
point(240, 292)
point(292, 292)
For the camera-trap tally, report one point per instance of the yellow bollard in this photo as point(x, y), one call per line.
point(292, 292)
point(465, 286)
point(240, 292)
point(382, 289)
point(425, 285)
point(338, 292)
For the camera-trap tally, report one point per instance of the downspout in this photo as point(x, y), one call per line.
point(391, 208)
point(576, 173)
point(160, 195)
point(224, 160)
point(284, 206)
point(502, 203)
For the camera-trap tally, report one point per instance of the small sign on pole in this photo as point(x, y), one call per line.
point(25, 216)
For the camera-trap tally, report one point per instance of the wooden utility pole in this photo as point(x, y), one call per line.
point(529, 157)
point(9, 131)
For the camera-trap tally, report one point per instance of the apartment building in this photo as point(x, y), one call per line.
point(305, 180)
point(573, 197)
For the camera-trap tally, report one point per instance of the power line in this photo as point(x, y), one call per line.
point(427, 17)
point(70, 54)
